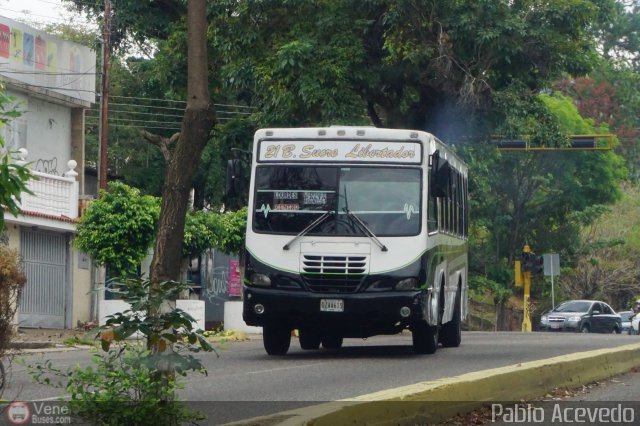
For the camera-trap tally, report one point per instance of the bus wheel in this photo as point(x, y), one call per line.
point(451, 332)
point(276, 339)
point(309, 339)
point(332, 341)
point(425, 338)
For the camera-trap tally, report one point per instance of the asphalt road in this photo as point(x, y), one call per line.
point(243, 373)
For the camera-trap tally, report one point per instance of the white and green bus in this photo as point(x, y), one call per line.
point(354, 232)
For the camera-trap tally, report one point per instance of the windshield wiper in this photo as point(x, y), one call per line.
point(308, 229)
point(361, 224)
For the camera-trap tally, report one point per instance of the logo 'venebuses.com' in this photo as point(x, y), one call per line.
point(18, 413)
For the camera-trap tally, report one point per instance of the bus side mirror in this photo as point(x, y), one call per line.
point(234, 178)
point(440, 177)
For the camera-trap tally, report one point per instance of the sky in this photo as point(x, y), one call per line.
point(44, 11)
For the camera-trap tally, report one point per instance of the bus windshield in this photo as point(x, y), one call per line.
point(290, 198)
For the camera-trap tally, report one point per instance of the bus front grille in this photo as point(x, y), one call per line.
point(333, 274)
point(323, 264)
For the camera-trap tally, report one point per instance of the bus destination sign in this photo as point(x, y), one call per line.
point(340, 151)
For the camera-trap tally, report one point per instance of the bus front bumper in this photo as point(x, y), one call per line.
point(354, 314)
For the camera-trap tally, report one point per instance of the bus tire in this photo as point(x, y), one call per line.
point(425, 338)
point(276, 339)
point(451, 332)
point(309, 339)
point(332, 341)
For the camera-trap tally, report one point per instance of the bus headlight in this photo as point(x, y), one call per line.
point(261, 280)
point(407, 284)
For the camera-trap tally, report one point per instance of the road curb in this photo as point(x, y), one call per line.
point(457, 395)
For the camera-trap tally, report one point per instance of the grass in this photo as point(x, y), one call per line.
point(76, 340)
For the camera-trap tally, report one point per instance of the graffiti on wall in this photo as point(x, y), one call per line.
point(215, 288)
point(47, 166)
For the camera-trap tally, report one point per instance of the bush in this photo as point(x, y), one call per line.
point(12, 280)
point(121, 388)
point(129, 384)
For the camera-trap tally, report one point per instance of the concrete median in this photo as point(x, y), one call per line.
point(435, 401)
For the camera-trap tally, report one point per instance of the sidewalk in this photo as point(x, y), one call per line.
point(41, 338)
point(44, 338)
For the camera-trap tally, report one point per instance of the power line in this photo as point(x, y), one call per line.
point(131, 105)
point(135, 112)
point(112, 119)
point(115, 123)
point(176, 101)
point(158, 114)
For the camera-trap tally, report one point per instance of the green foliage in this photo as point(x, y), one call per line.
point(482, 285)
point(118, 229)
point(540, 198)
point(357, 62)
point(12, 281)
point(206, 230)
point(234, 226)
point(211, 179)
point(128, 384)
point(200, 233)
point(119, 388)
point(148, 315)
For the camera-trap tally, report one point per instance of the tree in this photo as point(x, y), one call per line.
point(155, 21)
point(609, 255)
point(409, 64)
point(461, 69)
point(199, 119)
point(118, 229)
point(417, 64)
point(541, 198)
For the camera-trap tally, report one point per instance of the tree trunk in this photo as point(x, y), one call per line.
point(198, 121)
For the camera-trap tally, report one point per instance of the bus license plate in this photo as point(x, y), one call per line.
point(332, 305)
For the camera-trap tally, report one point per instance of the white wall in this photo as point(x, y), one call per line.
point(47, 128)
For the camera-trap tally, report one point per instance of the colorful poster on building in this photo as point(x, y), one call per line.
point(28, 49)
point(52, 56)
point(5, 37)
point(235, 284)
point(16, 45)
point(36, 58)
point(41, 53)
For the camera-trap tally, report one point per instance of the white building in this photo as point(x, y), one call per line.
point(53, 82)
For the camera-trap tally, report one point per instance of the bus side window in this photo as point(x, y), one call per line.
point(432, 214)
point(465, 207)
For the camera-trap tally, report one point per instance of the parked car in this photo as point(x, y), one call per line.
point(626, 321)
point(585, 316)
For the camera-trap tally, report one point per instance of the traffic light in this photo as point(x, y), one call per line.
point(576, 142)
point(526, 261)
point(538, 264)
point(511, 144)
point(582, 142)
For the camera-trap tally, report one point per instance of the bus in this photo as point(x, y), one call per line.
point(354, 232)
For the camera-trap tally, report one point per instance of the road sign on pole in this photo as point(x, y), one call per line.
point(551, 269)
point(551, 264)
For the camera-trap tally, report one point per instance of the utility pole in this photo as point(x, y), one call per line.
point(104, 96)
